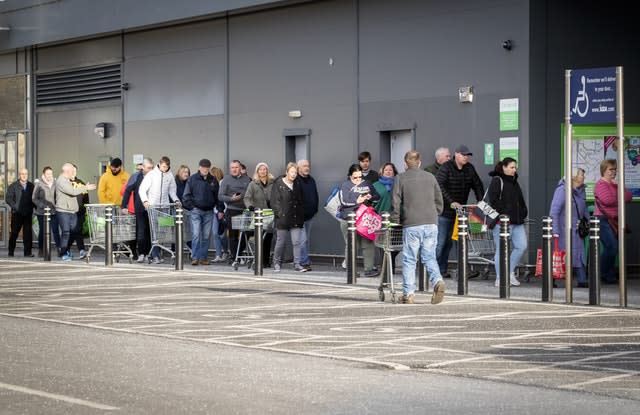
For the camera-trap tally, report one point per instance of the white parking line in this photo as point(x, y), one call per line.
point(57, 397)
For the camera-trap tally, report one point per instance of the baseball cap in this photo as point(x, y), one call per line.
point(464, 150)
point(205, 163)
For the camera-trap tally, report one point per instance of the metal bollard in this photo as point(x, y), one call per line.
point(423, 281)
point(505, 245)
point(547, 277)
point(351, 249)
point(594, 261)
point(463, 255)
point(179, 241)
point(258, 225)
point(46, 252)
point(387, 265)
point(108, 236)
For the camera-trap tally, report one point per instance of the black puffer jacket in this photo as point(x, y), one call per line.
point(456, 183)
point(507, 200)
point(287, 204)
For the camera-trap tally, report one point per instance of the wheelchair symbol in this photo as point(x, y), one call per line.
point(583, 99)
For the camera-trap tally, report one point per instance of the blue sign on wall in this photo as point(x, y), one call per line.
point(593, 96)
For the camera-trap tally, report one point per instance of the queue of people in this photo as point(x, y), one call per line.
point(214, 199)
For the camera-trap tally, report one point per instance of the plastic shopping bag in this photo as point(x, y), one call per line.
point(559, 267)
point(538, 263)
point(367, 222)
point(454, 234)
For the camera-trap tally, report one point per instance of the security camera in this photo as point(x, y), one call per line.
point(507, 45)
point(125, 86)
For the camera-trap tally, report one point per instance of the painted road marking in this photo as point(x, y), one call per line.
point(57, 397)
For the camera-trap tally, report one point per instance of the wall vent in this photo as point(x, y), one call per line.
point(78, 86)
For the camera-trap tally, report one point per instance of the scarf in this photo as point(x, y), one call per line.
point(387, 182)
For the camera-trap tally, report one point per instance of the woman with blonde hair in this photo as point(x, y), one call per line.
point(606, 195)
point(258, 196)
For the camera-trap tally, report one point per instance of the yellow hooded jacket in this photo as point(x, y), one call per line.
point(110, 185)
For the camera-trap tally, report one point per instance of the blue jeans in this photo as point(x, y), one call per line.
point(67, 222)
point(304, 243)
point(518, 246)
point(420, 239)
point(200, 232)
point(220, 241)
point(445, 230)
point(609, 251)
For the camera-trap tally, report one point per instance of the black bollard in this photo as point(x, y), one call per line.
point(351, 249)
point(179, 237)
point(505, 242)
point(594, 261)
point(258, 238)
point(46, 252)
point(547, 277)
point(463, 255)
point(108, 236)
point(423, 281)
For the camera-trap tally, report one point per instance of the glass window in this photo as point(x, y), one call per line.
point(13, 102)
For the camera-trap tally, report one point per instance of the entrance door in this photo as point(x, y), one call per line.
point(12, 158)
point(400, 143)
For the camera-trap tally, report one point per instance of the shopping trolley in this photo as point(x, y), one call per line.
point(123, 230)
point(245, 223)
point(481, 246)
point(390, 240)
point(162, 228)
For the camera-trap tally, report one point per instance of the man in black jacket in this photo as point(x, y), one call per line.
point(311, 200)
point(200, 197)
point(456, 179)
point(19, 198)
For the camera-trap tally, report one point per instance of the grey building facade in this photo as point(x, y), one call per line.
point(224, 79)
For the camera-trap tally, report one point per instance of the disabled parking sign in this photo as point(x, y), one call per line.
point(593, 96)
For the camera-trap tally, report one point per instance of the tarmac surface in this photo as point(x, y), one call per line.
point(521, 340)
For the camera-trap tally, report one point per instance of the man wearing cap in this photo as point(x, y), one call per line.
point(111, 182)
point(456, 178)
point(200, 198)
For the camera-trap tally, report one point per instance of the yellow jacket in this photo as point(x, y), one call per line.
point(110, 185)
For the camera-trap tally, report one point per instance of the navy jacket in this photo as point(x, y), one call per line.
point(310, 196)
point(202, 192)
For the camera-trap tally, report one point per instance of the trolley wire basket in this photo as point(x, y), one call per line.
point(245, 223)
point(390, 240)
point(481, 246)
point(162, 226)
point(123, 230)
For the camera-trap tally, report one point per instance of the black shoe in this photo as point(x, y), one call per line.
point(10, 253)
point(583, 285)
point(446, 275)
point(29, 255)
point(472, 274)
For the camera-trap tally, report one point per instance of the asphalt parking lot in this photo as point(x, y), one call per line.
point(522, 340)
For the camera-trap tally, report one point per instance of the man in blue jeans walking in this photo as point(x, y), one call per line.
point(201, 197)
point(417, 202)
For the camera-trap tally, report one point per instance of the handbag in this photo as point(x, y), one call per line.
point(367, 222)
point(485, 211)
point(583, 223)
point(559, 268)
point(583, 228)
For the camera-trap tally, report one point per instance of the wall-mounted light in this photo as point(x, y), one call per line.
point(295, 114)
point(507, 44)
point(101, 130)
point(465, 94)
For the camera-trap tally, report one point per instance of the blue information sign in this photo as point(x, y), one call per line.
point(593, 96)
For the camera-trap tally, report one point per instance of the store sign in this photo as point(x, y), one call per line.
point(593, 96)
